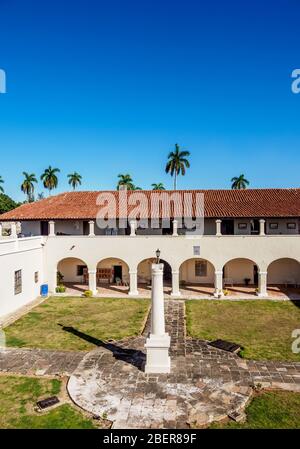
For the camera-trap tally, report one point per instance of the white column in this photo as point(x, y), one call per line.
point(133, 289)
point(93, 281)
point(218, 227)
point(51, 228)
point(158, 343)
point(262, 284)
point(175, 228)
point(218, 284)
point(13, 230)
point(175, 283)
point(132, 228)
point(92, 228)
point(1, 230)
point(262, 227)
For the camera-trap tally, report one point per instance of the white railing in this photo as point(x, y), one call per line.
point(9, 245)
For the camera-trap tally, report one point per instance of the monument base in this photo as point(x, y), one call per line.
point(158, 359)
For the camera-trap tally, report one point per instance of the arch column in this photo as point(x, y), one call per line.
point(175, 283)
point(1, 230)
point(218, 284)
point(262, 284)
point(133, 290)
point(93, 281)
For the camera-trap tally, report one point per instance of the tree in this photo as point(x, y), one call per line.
point(1, 182)
point(40, 196)
point(125, 180)
point(74, 179)
point(239, 182)
point(27, 186)
point(158, 186)
point(7, 203)
point(49, 178)
point(177, 163)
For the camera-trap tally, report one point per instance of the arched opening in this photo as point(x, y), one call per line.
point(72, 273)
point(283, 278)
point(144, 275)
point(240, 277)
point(112, 276)
point(196, 277)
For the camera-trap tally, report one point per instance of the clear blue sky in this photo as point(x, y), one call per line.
point(108, 87)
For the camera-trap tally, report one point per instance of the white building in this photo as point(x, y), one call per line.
point(247, 243)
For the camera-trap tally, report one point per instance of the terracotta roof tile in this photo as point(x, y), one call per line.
point(217, 204)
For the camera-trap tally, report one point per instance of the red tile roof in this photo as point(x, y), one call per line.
point(217, 204)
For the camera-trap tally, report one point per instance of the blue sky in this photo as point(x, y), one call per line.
point(109, 87)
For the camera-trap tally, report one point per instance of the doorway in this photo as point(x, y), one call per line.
point(118, 272)
point(227, 227)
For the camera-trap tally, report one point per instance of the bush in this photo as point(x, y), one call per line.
point(225, 292)
point(88, 293)
point(60, 289)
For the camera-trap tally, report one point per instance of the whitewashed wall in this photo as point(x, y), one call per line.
point(25, 255)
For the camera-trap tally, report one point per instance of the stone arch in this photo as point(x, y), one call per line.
point(72, 269)
point(241, 271)
point(144, 270)
point(112, 270)
point(284, 271)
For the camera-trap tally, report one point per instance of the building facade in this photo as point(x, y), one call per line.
point(247, 241)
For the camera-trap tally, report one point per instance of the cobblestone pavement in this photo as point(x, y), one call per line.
point(39, 362)
point(205, 384)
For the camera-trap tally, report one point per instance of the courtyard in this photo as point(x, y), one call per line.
point(87, 348)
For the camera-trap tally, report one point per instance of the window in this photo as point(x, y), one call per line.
point(291, 225)
point(196, 250)
point(200, 268)
point(80, 269)
point(242, 225)
point(36, 277)
point(273, 225)
point(18, 282)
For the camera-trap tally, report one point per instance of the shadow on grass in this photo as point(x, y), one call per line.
point(134, 357)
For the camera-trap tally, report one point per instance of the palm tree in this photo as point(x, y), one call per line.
point(239, 182)
point(40, 196)
point(1, 182)
point(74, 179)
point(125, 180)
point(27, 185)
point(49, 178)
point(158, 186)
point(177, 163)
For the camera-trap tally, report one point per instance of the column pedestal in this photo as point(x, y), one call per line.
point(133, 290)
point(262, 284)
point(218, 284)
point(175, 284)
point(158, 343)
point(93, 281)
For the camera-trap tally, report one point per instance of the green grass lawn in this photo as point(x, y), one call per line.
point(77, 323)
point(18, 397)
point(269, 410)
point(262, 328)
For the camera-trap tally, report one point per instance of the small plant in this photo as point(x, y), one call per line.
point(60, 278)
point(88, 293)
point(60, 289)
point(104, 415)
point(225, 292)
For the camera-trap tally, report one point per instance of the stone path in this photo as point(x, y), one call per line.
point(205, 384)
point(39, 362)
